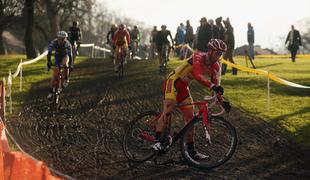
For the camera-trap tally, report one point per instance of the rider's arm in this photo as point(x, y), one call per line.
point(69, 51)
point(115, 37)
point(171, 39)
point(139, 36)
point(80, 35)
point(51, 46)
point(108, 39)
point(127, 37)
point(215, 74)
point(198, 71)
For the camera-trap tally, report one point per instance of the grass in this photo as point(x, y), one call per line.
point(32, 74)
point(289, 107)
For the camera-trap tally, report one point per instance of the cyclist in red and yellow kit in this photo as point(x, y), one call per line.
point(121, 39)
point(176, 87)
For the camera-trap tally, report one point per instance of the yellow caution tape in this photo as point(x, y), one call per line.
point(266, 73)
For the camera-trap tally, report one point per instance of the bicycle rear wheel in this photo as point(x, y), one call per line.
point(121, 70)
point(219, 150)
point(140, 136)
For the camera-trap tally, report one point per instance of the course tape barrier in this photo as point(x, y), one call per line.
point(17, 165)
point(19, 67)
point(265, 73)
point(262, 72)
point(28, 62)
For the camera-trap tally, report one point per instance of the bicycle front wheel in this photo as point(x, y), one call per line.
point(218, 149)
point(140, 136)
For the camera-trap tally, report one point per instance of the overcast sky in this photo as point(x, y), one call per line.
point(271, 19)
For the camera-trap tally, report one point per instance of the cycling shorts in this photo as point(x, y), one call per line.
point(174, 88)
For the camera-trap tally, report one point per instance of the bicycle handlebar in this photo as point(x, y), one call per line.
point(217, 98)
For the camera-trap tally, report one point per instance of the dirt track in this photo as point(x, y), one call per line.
point(83, 139)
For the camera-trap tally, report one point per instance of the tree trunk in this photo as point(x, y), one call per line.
point(2, 50)
point(29, 10)
point(52, 16)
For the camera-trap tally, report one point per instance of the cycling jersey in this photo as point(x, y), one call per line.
point(61, 50)
point(111, 34)
point(162, 37)
point(75, 34)
point(135, 35)
point(121, 38)
point(176, 85)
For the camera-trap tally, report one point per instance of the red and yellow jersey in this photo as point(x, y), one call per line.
point(121, 37)
point(195, 68)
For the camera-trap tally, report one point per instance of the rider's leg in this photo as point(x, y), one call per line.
point(168, 105)
point(65, 63)
point(126, 51)
point(116, 59)
point(54, 79)
point(188, 114)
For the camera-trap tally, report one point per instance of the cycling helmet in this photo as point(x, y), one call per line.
point(62, 34)
point(121, 26)
point(75, 23)
point(217, 45)
point(114, 26)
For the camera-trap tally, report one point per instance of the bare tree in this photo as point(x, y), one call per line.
point(9, 9)
point(59, 11)
point(29, 13)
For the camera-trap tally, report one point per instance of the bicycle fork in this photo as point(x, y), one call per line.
point(206, 124)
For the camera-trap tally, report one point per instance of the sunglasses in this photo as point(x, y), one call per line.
point(218, 53)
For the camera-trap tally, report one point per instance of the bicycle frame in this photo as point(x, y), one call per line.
point(203, 112)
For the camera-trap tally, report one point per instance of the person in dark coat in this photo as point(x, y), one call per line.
point(221, 29)
point(229, 39)
point(250, 37)
point(204, 35)
point(189, 35)
point(294, 41)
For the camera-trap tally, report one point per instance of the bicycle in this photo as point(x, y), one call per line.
point(58, 88)
point(121, 55)
point(216, 137)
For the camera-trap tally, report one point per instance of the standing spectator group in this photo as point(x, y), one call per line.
point(208, 30)
point(205, 32)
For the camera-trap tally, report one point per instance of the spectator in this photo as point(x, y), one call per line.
point(189, 34)
point(203, 35)
point(251, 41)
point(179, 38)
point(180, 35)
point(229, 39)
point(214, 29)
point(221, 29)
point(294, 40)
point(153, 42)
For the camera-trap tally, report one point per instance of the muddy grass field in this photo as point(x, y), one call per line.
point(84, 138)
